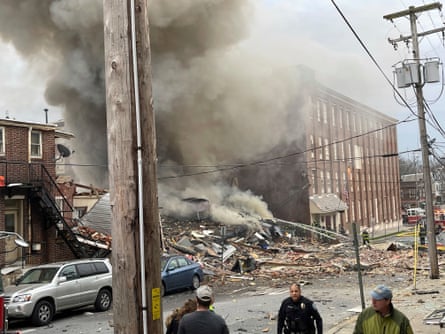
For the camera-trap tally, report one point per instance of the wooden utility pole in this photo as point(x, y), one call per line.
point(132, 168)
point(431, 233)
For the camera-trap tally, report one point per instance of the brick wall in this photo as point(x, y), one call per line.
point(21, 169)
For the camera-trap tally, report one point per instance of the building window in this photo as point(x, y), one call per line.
point(314, 184)
point(326, 149)
point(336, 182)
point(320, 148)
point(312, 147)
point(333, 115)
point(340, 118)
point(36, 144)
point(328, 182)
point(2, 141)
point(319, 111)
point(59, 204)
point(79, 211)
point(325, 113)
point(321, 190)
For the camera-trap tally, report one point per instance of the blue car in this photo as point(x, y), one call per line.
point(179, 272)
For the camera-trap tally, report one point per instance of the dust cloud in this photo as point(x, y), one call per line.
point(216, 103)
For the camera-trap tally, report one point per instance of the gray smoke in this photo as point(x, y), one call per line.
point(216, 102)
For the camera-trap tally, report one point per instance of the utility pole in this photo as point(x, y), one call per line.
point(431, 235)
point(137, 306)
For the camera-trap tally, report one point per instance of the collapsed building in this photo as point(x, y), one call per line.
point(253, 250)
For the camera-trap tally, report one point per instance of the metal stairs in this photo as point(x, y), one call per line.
point(58, 212)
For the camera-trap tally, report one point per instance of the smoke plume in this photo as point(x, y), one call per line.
point(216, 102)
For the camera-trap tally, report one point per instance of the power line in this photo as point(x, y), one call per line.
point(372, 57)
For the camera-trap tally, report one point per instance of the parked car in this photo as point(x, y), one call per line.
point(179, 272)
point(47, 289)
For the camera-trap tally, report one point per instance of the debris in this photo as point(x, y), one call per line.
point(261, 252)
point(425, 292)
point(435, 318)
point(285, 259)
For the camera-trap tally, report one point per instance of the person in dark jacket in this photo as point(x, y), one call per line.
point(172, 322)
point(203, 321)
point(298, 314)
point(422, 234)
point(382, 317)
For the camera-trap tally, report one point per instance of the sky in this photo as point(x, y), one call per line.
point(253, 37)
point(314, 33)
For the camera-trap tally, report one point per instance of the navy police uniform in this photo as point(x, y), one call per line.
point(300, 317)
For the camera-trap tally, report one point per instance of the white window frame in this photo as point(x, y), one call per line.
point(340, 118)
point(326, 149)
point(328, 182)
point(320, 148)
point(36, 145)
point(312, 147)
point(322, 182)
point(2, 141)
point(319, 106)
point(325, 113)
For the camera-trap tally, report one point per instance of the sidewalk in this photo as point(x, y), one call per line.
point(416, 303)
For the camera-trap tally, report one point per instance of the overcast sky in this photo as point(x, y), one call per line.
point(288, 32)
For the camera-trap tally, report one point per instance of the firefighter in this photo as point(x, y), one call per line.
point(365, 237)
point(422, 234)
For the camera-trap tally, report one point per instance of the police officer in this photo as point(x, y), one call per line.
point(298, 314)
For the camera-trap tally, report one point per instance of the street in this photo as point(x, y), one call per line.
point(247, 310)
point(248, 307)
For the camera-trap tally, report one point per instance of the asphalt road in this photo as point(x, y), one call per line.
point(248, 310)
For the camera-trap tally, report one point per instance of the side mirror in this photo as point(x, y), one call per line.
point(18, 280)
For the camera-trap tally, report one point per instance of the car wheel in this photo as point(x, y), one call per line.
point(195, 282)
point(103, 300)
point(163, 289)
point(43, 313)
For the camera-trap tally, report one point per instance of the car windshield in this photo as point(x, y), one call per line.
point(164, 260)
point(38, 275)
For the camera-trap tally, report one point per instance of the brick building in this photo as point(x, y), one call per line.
point(343, 169)
point(352, 153)
point(33, 203)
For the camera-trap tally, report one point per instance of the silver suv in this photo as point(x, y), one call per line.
point(44, 290)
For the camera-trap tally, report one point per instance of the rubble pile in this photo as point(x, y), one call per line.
point(275, 254)
point(279, 259)
point(93, 235)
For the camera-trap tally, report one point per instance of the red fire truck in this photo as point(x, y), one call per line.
point(417, 215)
point(439, 217)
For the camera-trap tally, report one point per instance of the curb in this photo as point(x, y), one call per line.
point(345, 326)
